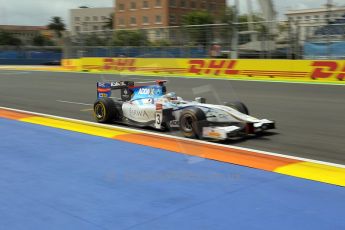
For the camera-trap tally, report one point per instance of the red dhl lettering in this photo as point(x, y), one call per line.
point(327, 69)
point(216, 66)
point(119, 64)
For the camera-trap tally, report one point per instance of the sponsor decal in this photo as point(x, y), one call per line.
point(327, 69)
point(212, 133)
point(174, 123)
point(159, 106)
point(103, 90)
point(149, 91)
point(117, 83)
point(102, 95)
point(101, 84)
point(119, 64)
point(138, 113)
point(145, 91)
point(216, 66)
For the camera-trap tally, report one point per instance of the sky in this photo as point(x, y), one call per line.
point(39, 12)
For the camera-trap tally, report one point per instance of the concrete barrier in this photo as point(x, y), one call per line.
point(297, 70)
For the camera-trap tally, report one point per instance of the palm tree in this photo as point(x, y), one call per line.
point(57, 24)
point(110, 21)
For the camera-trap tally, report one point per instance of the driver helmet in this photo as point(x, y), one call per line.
point(171, 96)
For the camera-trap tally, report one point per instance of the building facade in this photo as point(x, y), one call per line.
point(306, 22)
point(138, 14)
point(89, 19)
point(27, 33)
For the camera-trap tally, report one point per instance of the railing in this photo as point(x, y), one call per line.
point(273, 39)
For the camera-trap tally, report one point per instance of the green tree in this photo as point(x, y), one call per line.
point(197, 18)
point(257, 20)
point(8, 39)
point(161, 42)
point(198, 34)
point(228, 16)
point(41, 40)
point(57, 24)
point(130, 38)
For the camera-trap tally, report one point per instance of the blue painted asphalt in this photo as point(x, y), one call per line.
point(56, 179)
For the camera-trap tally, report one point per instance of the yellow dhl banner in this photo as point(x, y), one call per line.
point(330, 70)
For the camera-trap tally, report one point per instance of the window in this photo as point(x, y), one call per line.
point(158, 3)
point(133, 5)
point(87, 19)
point(77, 28)
point(145, 4)
point(158, 19)
point(121, 7)
point(183, 4)
point(121, 22)
point(203, 5)
point(172, 3)
point(307, 17)
point(145, 20)
point(95, 18)
point(77, 19)
point(172, 19)
point(211, 6)
point(192, 4)
point(104, 18)
point(95, 27)
point(133, 21)
point(158, 33)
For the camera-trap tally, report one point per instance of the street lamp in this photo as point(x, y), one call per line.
point(329, 13)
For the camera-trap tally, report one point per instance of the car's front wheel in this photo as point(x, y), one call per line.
point(191, 122)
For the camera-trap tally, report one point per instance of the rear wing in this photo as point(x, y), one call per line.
point(128, 88)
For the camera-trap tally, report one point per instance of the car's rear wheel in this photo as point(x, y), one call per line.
point(105, 110)
point(239, 106)
point(191, 122)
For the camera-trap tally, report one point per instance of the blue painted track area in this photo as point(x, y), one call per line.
point(56, 179)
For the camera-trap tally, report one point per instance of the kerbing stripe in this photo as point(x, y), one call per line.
point(282, 164)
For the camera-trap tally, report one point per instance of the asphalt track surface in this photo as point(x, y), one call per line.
point(310, 118)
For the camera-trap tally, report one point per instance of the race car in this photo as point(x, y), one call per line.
point(148, 104)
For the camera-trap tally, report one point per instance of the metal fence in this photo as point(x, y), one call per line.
point(30, 55)
point(283, 39)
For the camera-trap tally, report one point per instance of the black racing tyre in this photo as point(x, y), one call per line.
point(191, 122)
point(239, 106)
point(105, 110)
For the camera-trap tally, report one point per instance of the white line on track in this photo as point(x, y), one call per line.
point(177, 138)
point(73, 102)
point(225, 79)
point(8, 72)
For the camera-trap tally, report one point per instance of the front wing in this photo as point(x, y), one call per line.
point(226, 132)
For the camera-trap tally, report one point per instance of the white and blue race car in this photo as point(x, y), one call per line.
point(149, 105)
